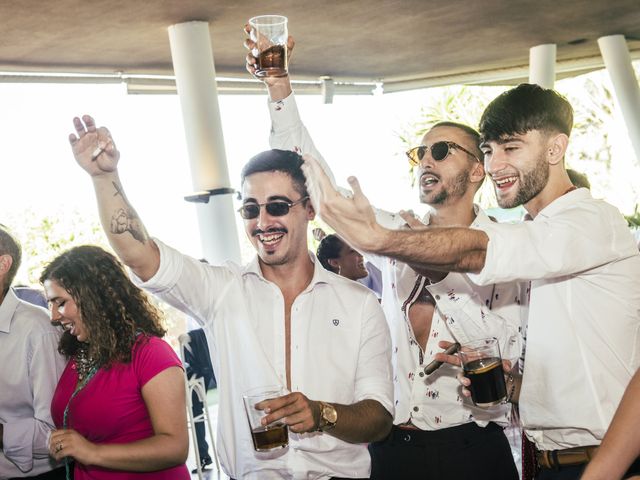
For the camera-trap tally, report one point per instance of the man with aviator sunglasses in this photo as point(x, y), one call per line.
point(282, 320)
point(437, 434)
point(583, 327)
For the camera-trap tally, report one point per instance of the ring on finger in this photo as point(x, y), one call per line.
point(59, 446)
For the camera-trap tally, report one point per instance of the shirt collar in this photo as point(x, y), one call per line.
point(480, 216)
point(563, 202)
point(320, 274)
point(7, 309)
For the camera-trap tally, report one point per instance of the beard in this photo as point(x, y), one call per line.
point(531, 184)
point(454, 189)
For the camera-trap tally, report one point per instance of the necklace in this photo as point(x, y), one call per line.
point(84, 363)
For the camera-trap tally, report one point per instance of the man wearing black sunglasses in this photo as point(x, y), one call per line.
point(282, 320)
point(583, 327)
point(435, 434)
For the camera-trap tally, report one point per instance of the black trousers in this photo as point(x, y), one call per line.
point(57, 474)
point(574, 472)
point(203, 446)
point(457, 453)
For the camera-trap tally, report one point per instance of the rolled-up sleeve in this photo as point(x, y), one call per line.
point(550, 247)
point(374, 373)
point(193, 287)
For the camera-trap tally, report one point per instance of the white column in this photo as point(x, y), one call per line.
point(616, 57)
point(196, 84)
point(542, 65)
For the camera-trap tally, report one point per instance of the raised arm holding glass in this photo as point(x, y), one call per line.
point(282, 320)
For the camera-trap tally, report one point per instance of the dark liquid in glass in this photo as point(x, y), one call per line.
point(272, 62)
point(273, 436)
point(487, 381)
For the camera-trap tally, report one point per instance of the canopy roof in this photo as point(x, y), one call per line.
point(403, 43)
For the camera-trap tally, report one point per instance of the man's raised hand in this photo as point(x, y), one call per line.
point(93, 148)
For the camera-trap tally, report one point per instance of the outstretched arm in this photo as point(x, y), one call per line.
point(442, 249)
point(95, 151)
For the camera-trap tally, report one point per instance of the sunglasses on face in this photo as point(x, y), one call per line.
point(276, 208)
point(439, 151)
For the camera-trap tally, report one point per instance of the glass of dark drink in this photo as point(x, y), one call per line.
point(274, 435)
point(270, 33)
point(482, 364)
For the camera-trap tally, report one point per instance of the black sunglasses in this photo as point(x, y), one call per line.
point(276, 208)
point(439, 151)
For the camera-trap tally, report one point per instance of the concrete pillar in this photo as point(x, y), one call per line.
point(616, 57)
point(542, 65)
point(196, 84)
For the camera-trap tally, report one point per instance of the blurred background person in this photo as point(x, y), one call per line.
point(338, 257)
point(120, 404)
point(31, 368)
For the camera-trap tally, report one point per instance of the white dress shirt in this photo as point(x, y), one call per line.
point(583, 338)
point(464, 312)
point(340, 352)
point(31, 366)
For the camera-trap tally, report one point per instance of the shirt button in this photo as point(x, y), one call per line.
point(415, 409)
point(421, 374)
point(437, 297)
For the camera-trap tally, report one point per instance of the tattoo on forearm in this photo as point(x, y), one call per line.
point(119, 191)
point(127, 220)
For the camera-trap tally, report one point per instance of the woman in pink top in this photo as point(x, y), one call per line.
point(120, 404)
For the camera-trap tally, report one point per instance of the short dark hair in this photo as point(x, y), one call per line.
point(471, 132)
point(278, 161)
point(524, 108)
point(9, 245)
point(579, 179)
point(328, 249)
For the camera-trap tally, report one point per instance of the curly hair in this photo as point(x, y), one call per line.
point(113, 309)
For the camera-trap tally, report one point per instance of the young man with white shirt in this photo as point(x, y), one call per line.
point(31, 368)
point(280, 320)
point(436, 433)
point(584, 324)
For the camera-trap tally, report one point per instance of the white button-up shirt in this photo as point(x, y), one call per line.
point(340, 352)
point(464, 312)
point(31, 366)
point(583, 338)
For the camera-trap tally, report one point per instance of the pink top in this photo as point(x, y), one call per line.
point(110, 408)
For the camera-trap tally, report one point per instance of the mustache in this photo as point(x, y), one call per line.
point(259, 231)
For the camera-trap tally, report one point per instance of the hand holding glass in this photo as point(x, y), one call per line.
point(270, 33)
point(274, 435)
point(482, 365)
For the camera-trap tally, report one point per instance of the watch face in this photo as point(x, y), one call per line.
point(330, 414)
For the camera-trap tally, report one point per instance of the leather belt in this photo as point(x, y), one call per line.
point(566, 457)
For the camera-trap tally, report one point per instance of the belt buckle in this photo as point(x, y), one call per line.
point(553, 459)
point(543, 460)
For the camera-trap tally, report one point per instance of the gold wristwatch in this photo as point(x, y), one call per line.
point(328, 417)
